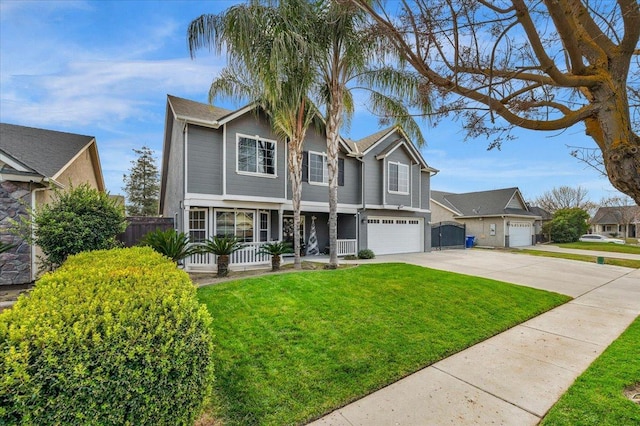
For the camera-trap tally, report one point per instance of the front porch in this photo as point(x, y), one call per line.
point(249, 257)
point(255, 228)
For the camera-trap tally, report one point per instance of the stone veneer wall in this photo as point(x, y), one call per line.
point(15, 264)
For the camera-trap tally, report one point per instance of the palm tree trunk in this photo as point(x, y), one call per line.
point(334, 120)
point(295, 174)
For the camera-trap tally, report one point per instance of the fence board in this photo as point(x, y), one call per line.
point(139, 226)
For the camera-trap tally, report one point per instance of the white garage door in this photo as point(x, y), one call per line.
point(519, 234)
point(388, 235)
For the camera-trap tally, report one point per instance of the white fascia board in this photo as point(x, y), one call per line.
point(443, 206)
point(15, 163)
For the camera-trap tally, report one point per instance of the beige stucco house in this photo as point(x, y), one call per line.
point(32, 163)
point(496, 218)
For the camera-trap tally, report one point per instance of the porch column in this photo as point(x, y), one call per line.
point(279, 221)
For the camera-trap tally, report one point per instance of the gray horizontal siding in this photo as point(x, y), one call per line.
point(204, 165)
point(251, 185)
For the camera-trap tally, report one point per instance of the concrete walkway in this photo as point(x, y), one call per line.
point(513, 378)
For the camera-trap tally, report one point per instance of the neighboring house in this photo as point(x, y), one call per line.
point(32, 162)
point(545, 217)
point(621, 221)
point(497, 218)
point(225, 173)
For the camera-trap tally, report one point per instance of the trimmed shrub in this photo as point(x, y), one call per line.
point(366, 254)
point(112, 337)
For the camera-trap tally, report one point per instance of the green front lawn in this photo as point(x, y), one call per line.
point(610, 247)
point(597, 397)
point(291, 347)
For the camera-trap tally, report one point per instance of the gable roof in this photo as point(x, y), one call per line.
point(366, 144)
point(497, 202)
point(186, 109)
point(616, 215)
point(43, 152)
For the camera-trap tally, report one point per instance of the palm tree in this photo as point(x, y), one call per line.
point(345, 66)
point(275, 249)
point(223, 247)
point(270, 60)
point(174, 245)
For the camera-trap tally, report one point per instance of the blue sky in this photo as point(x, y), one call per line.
point(104, 68)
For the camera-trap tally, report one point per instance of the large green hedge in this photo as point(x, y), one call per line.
point(112, 337)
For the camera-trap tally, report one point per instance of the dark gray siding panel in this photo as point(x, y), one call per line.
point(250, 185)
point(204, 166)
point(426, 190)
point(174, 191)
point(373, 180)
point(415, 185)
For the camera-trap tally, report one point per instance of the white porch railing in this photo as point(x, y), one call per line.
point(246, 256)
point(346, 247)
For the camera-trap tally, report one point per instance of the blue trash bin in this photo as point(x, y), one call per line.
point(469, 241)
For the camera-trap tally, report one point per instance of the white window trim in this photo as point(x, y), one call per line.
point(234, 211)
point(206, 221)
point(324, 169)
point(275, 156)
point(259, 224)
point(406, 166)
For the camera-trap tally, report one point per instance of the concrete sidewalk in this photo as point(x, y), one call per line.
point(513, 378)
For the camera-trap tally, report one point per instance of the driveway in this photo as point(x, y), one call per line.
point(513, 378)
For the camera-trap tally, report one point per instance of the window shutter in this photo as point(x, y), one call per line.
point(340, 171)
point(305, 166)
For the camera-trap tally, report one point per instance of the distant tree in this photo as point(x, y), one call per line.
point(565, 197)
point(624, 209)
point(540, 65)
point(567, 225)
point(81, 219)
point(142, 184)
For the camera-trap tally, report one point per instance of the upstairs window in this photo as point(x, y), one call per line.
point(398, 178)
point(256, 156)
point(318, 171)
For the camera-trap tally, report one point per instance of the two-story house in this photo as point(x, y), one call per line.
point(225, 173)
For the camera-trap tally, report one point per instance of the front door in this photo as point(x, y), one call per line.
point(287, 231)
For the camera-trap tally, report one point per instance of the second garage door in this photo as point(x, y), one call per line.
point(519, 234)
point(389, 235)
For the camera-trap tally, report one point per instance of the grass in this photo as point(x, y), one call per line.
point(597, 396)
point(627, 263)
point(291, 347)
point(608, 247)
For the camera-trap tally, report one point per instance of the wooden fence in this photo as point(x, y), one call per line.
point(139, 226)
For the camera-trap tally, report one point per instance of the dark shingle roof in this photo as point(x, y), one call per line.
point(539, 211)
point(366, 142)
point(616, 215)
point(44, 151)
point(197, 110)
point(482, 203)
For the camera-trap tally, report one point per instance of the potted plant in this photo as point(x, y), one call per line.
point(276, 249)
point(176, 246)
point(222, 247)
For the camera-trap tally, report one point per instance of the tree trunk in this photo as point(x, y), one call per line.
point(223, 265)
point(620, 146)
point(334, 121)
point(295, 175)
point(275, 262)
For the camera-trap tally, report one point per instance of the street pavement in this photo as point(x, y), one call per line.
point(515, 377)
